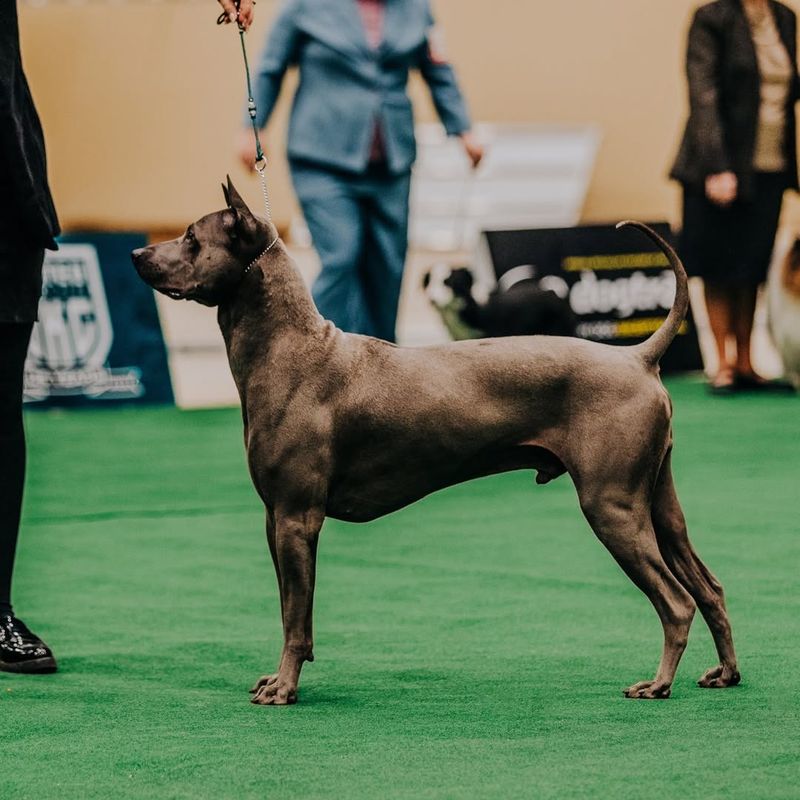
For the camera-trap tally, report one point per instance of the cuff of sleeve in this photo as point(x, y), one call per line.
point(457, 126)
point(715, 166)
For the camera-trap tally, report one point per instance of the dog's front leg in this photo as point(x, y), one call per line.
point(273, 551)
point(295, 553)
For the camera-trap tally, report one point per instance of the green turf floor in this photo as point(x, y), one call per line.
point(474, 645)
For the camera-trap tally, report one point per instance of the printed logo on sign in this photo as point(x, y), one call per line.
point(71, 342)
point(622, 296)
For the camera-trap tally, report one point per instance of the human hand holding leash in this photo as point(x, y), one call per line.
point(722, 188)
point(246, 148)
point(240, 11)
point(473, 148)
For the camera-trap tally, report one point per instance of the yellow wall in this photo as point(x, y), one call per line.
point(141, 101)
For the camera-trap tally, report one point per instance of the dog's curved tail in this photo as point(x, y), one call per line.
point(653, 348)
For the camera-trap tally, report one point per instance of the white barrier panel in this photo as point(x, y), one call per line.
point(533, 176)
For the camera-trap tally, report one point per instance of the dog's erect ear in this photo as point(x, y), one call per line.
point(235, 200)
point(246, 223)
point(227, 196)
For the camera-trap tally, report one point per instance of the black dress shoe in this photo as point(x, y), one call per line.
point(21, 650)
point(755, 383)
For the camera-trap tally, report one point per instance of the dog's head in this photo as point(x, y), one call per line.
point(208, 262)
point(791, 270)
point(445, 286)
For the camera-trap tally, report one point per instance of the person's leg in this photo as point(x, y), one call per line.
point(719, 304)
point(20, 649)
point(764, 214)
point(14, 340)
point(334, 218)
point(744, 309)
point(386, 224)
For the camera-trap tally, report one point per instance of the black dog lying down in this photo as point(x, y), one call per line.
point(517, 306)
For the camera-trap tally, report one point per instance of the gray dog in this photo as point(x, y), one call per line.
point(351, 427)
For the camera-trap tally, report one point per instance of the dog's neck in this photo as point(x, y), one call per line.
point(270, 304)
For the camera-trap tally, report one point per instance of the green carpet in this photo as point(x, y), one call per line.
point(472, 646)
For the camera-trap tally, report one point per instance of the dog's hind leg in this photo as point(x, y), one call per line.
point(677, 550)
point(296, 537)
point(622, 523)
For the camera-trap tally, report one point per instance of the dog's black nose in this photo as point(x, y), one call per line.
point(137, 254)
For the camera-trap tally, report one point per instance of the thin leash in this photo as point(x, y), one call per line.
point(463, 204)
point(260, 165)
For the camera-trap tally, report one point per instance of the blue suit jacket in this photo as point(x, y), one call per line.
point(346, 86)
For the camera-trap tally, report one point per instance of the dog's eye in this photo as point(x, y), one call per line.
point(189, 235)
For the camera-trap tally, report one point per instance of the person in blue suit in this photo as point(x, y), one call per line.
point(351, 140)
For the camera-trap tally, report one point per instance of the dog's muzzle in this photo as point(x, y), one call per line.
point(149, 275)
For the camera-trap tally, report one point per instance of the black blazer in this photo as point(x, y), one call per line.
point(27, 215)
point(724, 95)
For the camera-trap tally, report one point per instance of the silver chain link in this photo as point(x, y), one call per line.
point(262, 174)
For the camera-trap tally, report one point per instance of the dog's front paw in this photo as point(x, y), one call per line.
point(648, 690)
point(720, 677)
point(273, 690)
point(264, 680)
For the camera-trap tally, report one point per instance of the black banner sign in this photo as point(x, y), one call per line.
point(98, 338)
point(619, 284)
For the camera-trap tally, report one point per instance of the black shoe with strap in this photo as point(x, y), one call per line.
point(750, 382)
point(21, 650)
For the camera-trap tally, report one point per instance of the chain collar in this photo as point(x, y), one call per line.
point(261, 255)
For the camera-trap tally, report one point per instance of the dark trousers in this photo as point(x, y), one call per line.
point(359, 226)
point(14, 339)
point(732, 246)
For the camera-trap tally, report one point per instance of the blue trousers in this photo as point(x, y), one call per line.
point(359, 227)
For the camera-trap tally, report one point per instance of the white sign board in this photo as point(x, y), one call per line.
point(533, 176)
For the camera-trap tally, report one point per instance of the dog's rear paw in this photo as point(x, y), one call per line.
point(720, 677)
point(648, 690)
point(278, 692)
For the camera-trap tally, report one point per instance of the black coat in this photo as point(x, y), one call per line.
point(27, 215)
point(724, 95)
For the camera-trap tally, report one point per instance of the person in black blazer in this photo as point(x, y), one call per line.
point(28, 225)
point(737, 157)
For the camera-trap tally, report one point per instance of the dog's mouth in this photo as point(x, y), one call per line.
point(192, 292)
point(152, 279)
point(172, 293)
